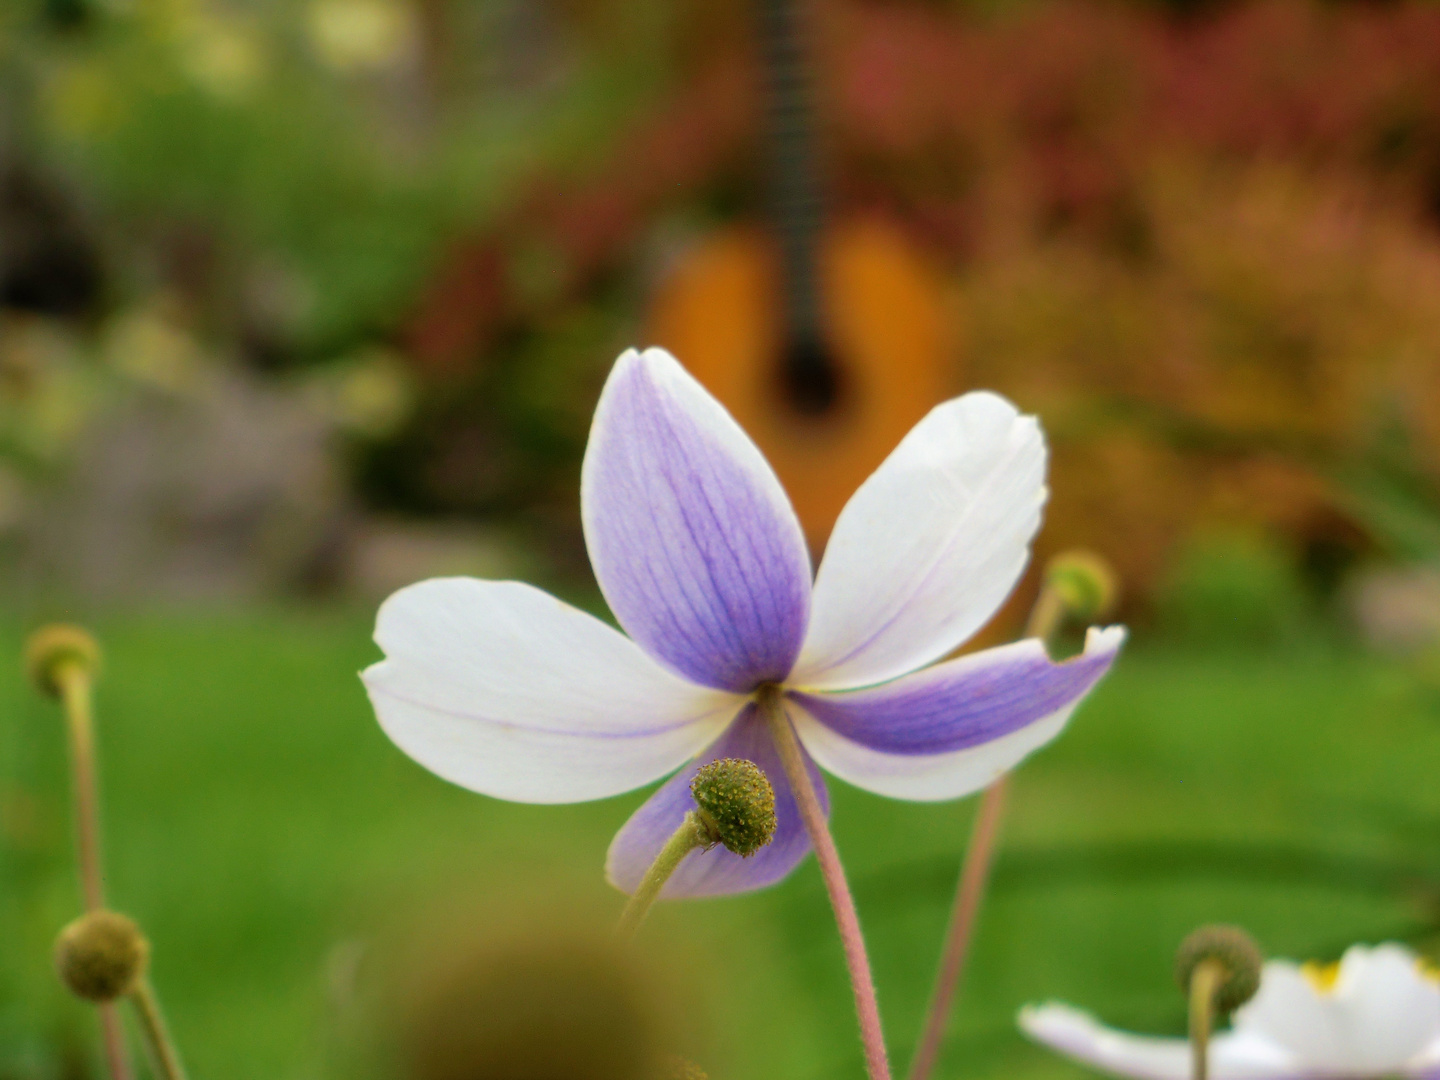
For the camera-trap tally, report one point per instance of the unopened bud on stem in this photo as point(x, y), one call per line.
point(1237, 956)
point(1085, 584)
point(735, 804)
point(1218, 968)
point(101, 955)
point(52, 648)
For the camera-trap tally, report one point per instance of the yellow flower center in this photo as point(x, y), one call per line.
point(1428, 969)
point(1321, 976)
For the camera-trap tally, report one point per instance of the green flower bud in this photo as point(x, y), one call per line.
point(1085, 583)
point(1236, 953)
point(51, 648)
point(736, 805)
point(101, 955)
point(679, 1068)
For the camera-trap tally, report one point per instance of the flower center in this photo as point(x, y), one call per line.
point(767, 691)
point(1322, 977)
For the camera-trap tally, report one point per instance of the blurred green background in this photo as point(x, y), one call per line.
point(302, 302)
point(272, 840)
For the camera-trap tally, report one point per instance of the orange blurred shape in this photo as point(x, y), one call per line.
point(720, 314)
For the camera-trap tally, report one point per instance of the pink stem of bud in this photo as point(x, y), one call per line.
point(1045, 618)
point(974, 875)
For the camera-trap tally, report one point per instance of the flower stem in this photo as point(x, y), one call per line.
point(689, 836)
point(847, 919)
point(1204, 980)
point(73, 681)
point(114, 1038)
point(1045, 618)
point(974, 875)
point(165, 1056)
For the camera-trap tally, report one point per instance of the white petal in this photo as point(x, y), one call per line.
point(929, 546)
point(1379, 1016)
point(927, 777)
point(1426, 1063)
point(503, 689)
point(1233, 1055)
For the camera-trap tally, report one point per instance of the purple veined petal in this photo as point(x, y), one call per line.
point(1234, 1055)
point(715, 872)
point(503, 689)
point(955, 727)
point(929, 546)
point(693, 540)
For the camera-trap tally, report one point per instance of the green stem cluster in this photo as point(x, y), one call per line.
point(69, 675)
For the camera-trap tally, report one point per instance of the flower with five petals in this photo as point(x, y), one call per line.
point(1374, 1014)
point(503, 689)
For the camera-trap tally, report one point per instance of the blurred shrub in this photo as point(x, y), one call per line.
point(1204, 249)
point(1277, 326)
point(1232, 588)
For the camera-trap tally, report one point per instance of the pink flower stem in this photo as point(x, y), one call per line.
point(792, 757)
point(974, 875)
point(1045, 618)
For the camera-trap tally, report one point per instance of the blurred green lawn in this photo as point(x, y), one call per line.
point(258, 820)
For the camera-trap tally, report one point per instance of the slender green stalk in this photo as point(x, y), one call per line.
point(1045, 618)
point(163, 1053)
point(1204, 981)
point(867, 1008)
point(74, 683)
point(689, 836)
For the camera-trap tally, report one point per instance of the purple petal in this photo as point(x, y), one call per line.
point(691, 536)
point(964, 703)
point(717, 871)
point(952, 728)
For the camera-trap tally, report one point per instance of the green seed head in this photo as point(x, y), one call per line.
point(735, 804)
point(51, 648)
point(101, 955)
point(1236, 953)
point(1085, 583)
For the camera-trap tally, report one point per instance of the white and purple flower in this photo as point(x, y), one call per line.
point(1374, 1014)
point(503, 689)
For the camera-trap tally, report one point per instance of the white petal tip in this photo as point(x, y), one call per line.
point(1105, 638)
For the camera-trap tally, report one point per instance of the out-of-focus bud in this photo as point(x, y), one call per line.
point(1085, 583)
point(537, 1009)
point(1234, 952)
point(685, 1069)
point(101, 955)
point(735, 804)
point(52, 648)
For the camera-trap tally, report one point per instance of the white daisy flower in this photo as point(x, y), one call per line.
point(1374, 1014)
